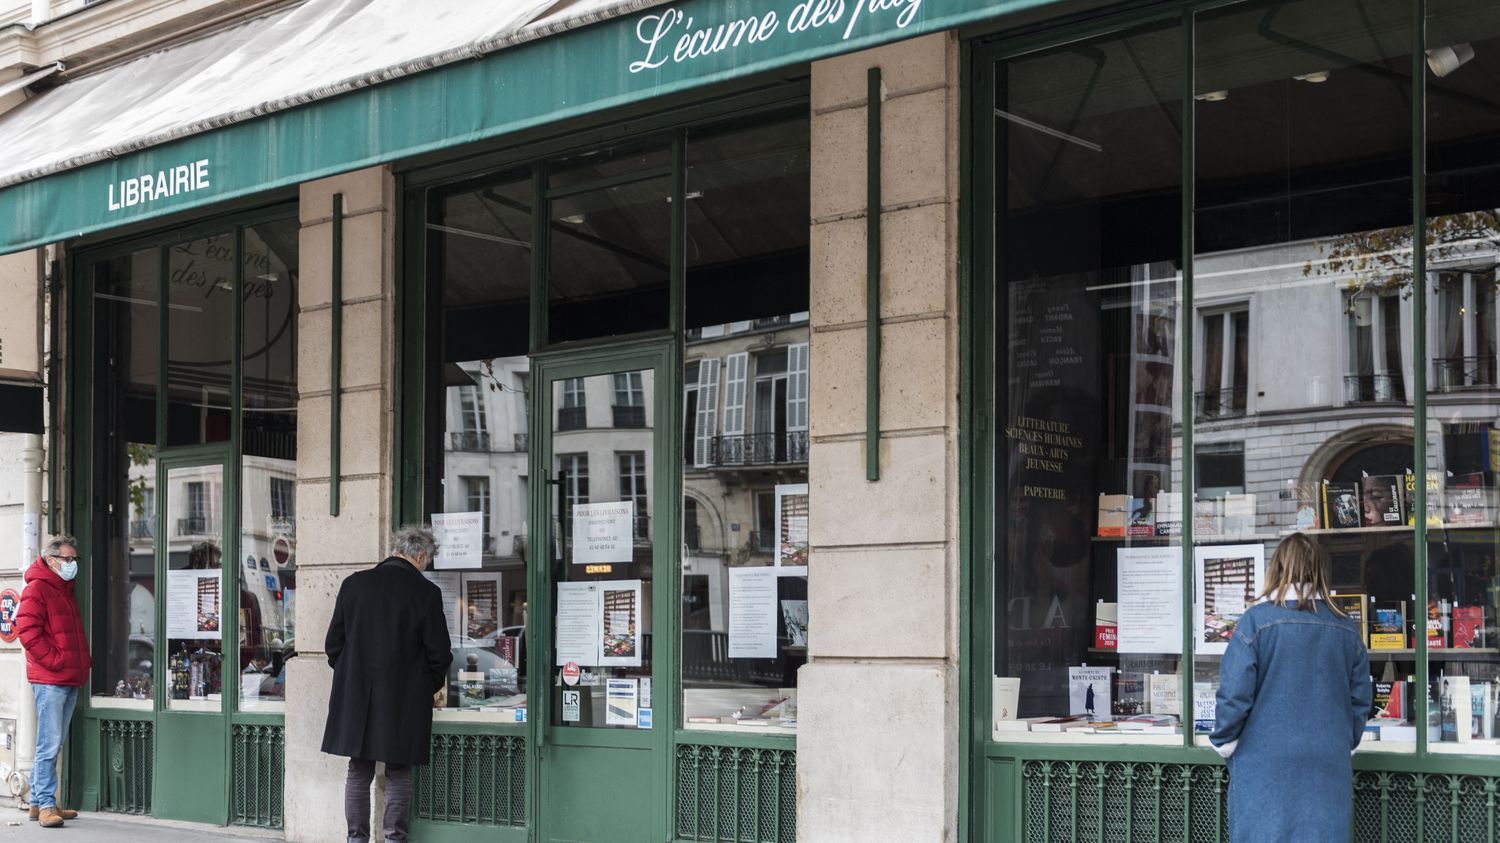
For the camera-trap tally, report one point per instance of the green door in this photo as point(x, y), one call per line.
point(196, 615)
point(604, 693)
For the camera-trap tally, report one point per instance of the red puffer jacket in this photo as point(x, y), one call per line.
point(57, 652)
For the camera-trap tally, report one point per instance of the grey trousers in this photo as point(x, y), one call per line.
point(357, 800)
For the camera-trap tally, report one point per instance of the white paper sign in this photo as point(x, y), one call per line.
point(481, 609)
point(621, 621)
point(791, 546)
point(752, 613)
point(572, 706)
point(193, 610)
point(577, 627)
point(449, 585)
point(620, 703)
point(1232, 574)
point(603, 533)
point(460, 538)
point(1150, 599)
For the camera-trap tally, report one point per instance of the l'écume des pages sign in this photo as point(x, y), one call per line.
point(673, 35)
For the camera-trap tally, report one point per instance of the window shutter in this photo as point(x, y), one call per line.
point(734, 393)
point(708, 412)
point(796, 402)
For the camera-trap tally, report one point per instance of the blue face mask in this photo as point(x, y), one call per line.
point(68, 571)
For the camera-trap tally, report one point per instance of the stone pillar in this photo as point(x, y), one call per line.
point(329, 548)
point(878, 753)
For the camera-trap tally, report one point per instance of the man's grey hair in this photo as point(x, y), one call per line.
point(413, 542)
point(58, 542)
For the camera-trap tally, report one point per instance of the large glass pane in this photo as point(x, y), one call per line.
point(745, 416)
point(126, 318)
point(1303, 299)
point(200, 352)
point(268, 464)
point(479, 238)
point(602, 561)
point(1463, 397)
point(194, 509)
point(1088, 572)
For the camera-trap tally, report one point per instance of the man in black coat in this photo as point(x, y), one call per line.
point(389, 648)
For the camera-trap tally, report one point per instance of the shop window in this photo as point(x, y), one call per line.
point(283, 497)
point(1225, 371)
point(630, 400)
point(1465, 311)
point(1375, 370)
point(572, 413)
point(632, 466)
point(745, 436)
point(1219, 469)
point(479, 241)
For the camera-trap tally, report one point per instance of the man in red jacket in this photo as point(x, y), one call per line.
point(57, 665)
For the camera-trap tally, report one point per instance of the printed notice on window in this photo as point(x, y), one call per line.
point(460, 538)
point(602, 532)
point(791, 529)
point(193, 610)
point(1150, 599)
point(448, 584)
point(577, 629)
point(752, 613)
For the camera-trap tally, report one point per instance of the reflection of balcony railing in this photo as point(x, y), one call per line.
point(572, 418)
point(141, 528)
point(1373, 389)
point(469, 440)
point(762, 540)
point(758, 449)
point(523, 442)
point(196, 525)
point(1220, 403)
point(1451, 373)
point(626, 416)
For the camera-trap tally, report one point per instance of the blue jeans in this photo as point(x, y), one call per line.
point(54, 710)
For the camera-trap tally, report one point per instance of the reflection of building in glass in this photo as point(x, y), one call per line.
point(484, 457)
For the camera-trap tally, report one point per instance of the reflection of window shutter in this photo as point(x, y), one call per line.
point(708, 412)
point(734, 393)
point(796, 401)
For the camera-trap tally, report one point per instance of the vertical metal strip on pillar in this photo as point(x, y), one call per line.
point(872, 278)
point(335, 353)
point(1419, 368)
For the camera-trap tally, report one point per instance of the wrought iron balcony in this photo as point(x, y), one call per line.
point(572, 418)
point(142, 528)
point(196, 525)
point(1454, 373)
point(628, 416)
point(1374, 389)
point(1220, 403)
point(756, 449)
point(468, 440)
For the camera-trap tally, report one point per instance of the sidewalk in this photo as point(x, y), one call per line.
point(113, 828)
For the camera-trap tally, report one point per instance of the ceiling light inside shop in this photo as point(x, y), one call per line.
point(1212, 96)
point(1316, 77)
point(1445, 60)
point(573, 219)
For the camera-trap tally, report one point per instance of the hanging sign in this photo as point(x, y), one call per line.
point(602, 532)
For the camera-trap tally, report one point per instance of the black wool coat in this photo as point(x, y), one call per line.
point(389, 649)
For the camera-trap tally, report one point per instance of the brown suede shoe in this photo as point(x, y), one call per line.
point(49, 817)
point(66, 813)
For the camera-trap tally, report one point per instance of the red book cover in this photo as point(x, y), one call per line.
point(1468, 626)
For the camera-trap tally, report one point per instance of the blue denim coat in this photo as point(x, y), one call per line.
point(1293, 699)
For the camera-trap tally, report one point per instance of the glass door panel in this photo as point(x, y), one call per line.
point(194, 604)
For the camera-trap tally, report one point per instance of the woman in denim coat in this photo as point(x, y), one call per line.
point(1293, 699)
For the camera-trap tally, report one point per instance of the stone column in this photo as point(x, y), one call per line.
point(329, 548)
point(878, 751)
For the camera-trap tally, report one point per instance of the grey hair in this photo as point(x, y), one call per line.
point(413, 541)
point(58, 542)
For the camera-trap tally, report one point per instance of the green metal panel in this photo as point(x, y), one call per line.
point(499, 94)
point(735, 794)
point(473, 779)
point(258, 758)
point(125, 773)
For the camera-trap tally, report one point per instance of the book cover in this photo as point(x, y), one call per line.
point(1208, 519)
point(1386, 701)
point(1058, 724)
point(1142, 521)
point(1239, 515)
point(1340, 505)
point(1006, 697)
point(1353, 607)
point(1468, 501)
point(1164, 694)
point(1380, 501)
point(1434, 499)
point(1468, 627)
point(1106, 626)
point(1482, 710)
point(1455, 704)
point(1205, 706)
point(1436, 637)
point(1128, 696)
point(1112, 512)
point(1309, 508)
point(1388, 625)
point(1088, 691)
point(1168, 514)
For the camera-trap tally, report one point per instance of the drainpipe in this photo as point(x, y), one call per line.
point(33, 458)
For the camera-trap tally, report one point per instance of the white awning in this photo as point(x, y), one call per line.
point(288, 58)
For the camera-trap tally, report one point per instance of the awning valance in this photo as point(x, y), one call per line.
point(334, 85)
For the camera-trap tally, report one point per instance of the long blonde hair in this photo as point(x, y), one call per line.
point(1299, 566)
